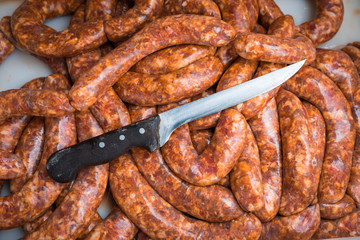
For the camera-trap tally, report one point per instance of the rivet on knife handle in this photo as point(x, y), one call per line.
point(66, 163)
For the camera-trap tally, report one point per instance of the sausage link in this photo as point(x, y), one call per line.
point(29, 150)
point(144, 11)
point(253, 9)
point(212, 203)
point(6, 48)
point(201, 139)
point(298, 226)
point(245, 178)
point(79, 64)
point(159, 220)
point(95, 220)
point(28, 29)
point(355, 44)
point(329, 17)
point(266, 129)
point(274, 49)
point(269, 11)
point(200, 7)
point(73, 215)
point(318, 132)
point(122, 7)
point(259, 29)
point(347, 226)
point(218, 158)
point(39, 193)
point(337, 210)
point(354, 54)
point(11, 130)
point(10, 166)
point(151, 90)
point(96, 81)
point(316, 88)
point(99, 9)
point(115, 226)
point(33, 225)
point(36, 102)
point(283, 26)
point(299, 162)
point(172, 58)
point(209, 121)
point(58, 65)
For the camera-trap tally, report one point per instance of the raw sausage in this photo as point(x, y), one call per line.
point(96, 81)
point(200, 7)
point(347, 226)
point(274, 49)
point(10, 166)
point(217, 159)
point(296, 227)
point(27, 24)
point(29, 150)
point(212, 203)
point(151, 90)
point(354, 54)
point(33, 225)
point(95, 220)
point(115, 226)
point(159, 220)
point(316, 88)
point(39, 193)
point(201, 139)
point(269, 11)
point(329, 17)
point(337, 210)
point(172, 58)
point(299, 162)
point(36, 102)
point(6, 48)
point(245, 177)
point(119, 28)
point(253, 9)
point(73, 215)
point(266, 129)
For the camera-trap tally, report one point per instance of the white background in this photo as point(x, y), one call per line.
point(20, 67)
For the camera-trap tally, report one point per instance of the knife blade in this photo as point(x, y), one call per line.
point(153, 133)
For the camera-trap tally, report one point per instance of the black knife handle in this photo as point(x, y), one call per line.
point(64, 165)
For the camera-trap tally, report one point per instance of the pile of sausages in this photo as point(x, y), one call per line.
point(284, 165)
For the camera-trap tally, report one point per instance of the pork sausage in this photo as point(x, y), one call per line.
point(6, 48)
point(337, 210)
point(10, 166)
point(200, 7)
point(269, 11)
point(201, 139)
point(354, 54)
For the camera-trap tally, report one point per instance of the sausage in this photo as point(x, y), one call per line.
point(95, 220)
point(316, 88)
point(6, 48)
point(36, 102)
point(274, 49)
point(329, 17)
point(144, 11)
point(245, 178)
point(253, 9)
point(11, 130)
point(200, 7)
point(109, 110)
point(159, 220)
point(29, 150)
point(99, 9)
point(96, 81)
point(115, 226)
point(122, 7)
point(354, 54)
point(38, 194)
point(32, 226)
point(10, 166)
point(73, 215)
point(355, 44)
point(138, 113)
point(201, 139)
point(283, 26)
point(151, 90)
point(269, 11)
point(266, 129)
point(209, 121)
point(347, 226)
point(298, 226)
point(217, 159)
point(299, 161)
point(212, 203)
point(172, 58)
point(58, 65)
point(27, 24)
point(318, 132)
point(259, 29)
point(337, 210)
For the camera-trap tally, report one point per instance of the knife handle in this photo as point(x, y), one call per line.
point(64, 165)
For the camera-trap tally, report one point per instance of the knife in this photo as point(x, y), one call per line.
point(154, 132)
